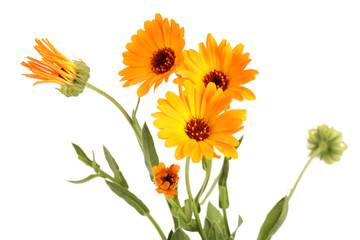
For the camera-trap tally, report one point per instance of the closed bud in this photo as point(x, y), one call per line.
point(326, 143)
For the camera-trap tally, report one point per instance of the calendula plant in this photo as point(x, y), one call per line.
point(197, 120)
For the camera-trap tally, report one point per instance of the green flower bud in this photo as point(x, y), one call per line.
point(326, 143)
point(80, 79)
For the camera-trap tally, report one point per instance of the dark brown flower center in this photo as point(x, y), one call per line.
point(162, 60)
point(197, 129)
point(169, 178)
point(217, 77)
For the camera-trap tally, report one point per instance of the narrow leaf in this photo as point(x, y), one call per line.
point(88, 178)
point(191, 227)
point(240, 141)
point(274, 220)
point(94, 165)
point(81, 155)
point(171, 233)
point(204, 163)
point(115, 168)
point(150, 155)
point(240, 221)
point(180, 235)
point(129, 197)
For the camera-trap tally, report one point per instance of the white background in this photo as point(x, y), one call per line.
point(307, 53)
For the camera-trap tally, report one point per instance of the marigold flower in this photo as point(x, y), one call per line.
point(193, 123)
point(153, 55)
point(221, 65)
point(166, 179)
point(326, 143)
point(56, 68)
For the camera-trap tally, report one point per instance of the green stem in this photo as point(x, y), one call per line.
point(197, 217)
point(222, 185)
point(136, 108)
point(122, 110)
point(216, 180)
point(303, 171)
point(206, 180)
point(156, 225)
point(101, 172)
point(227, 229)
point(176, 205)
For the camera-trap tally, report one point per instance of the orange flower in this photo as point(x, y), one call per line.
point(220, 64)
point(166, 179)
point(56, 68)
point(153, 55)
point(195, 123)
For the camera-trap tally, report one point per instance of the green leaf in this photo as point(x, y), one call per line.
point(179, 235)
point(171, 233)
point(274, 219)
point(81, 155)
point(150, 155)
point(215, 232)
point(240, 221)
point(88, 178)
point(213, 215)
point(204, 163)
point(188, 210)
point(223, 192)
point(129, 197)
point(115, 168)
point(94, 165)
point(191, 227)
point(240, 141)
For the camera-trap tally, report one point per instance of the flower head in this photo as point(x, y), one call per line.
point(56, 68)
point(326, 143)
point(153, 55)
point(220, 64)
point(194, 122)
point(166, 179)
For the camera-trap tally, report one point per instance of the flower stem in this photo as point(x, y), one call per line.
point(303, 171)
point(216, 180)
point(227, 229)
point(206, 180)
point(122, 110)
point(156, 225)
point(197, 217)
point(224, 198)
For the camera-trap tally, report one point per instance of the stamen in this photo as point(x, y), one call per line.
point(162, 60)
point(217, 77)
point(197, 129)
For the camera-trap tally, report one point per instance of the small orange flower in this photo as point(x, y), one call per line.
point(56, 68)
point(153, 54)
point(166, 179)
